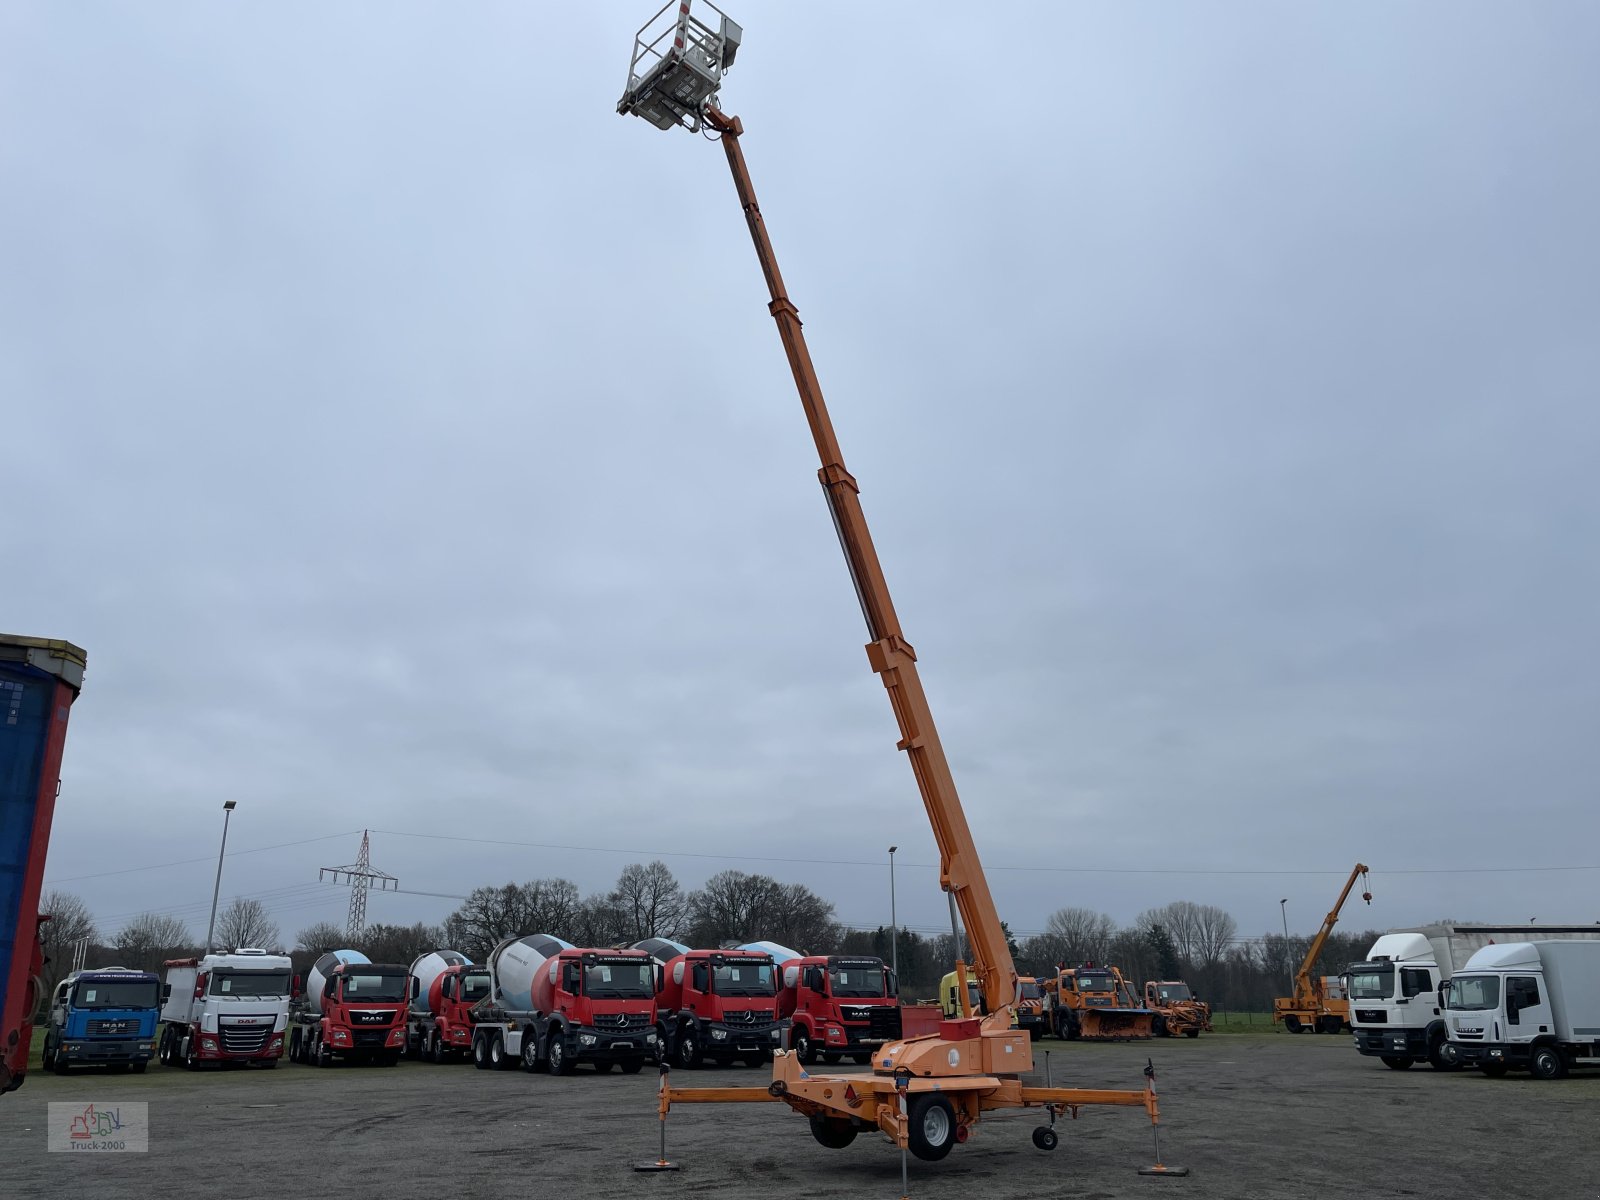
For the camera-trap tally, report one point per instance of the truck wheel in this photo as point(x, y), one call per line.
point(1158, 1027)
point(497, 1052)
point(1191, 1033)
point(480, 1051)
point(1442, 1055)
point(191, 1054)
point(59, 1063)
point(1494, 1070)
point(1292, 1023)
point(933, 1127)
point(687, 1049)
point(1395, 1063)
point(1330, 1025)
point(138, 1067)
point(48, 1059)
point(1547, 1063)
point(556, 1055)
point(602, 1066)
point(832, 1132)
point(631, 1066)
point(530, 1051)
point(1074, 1030)
point(323, 1054)
point(436, 1048)
point(756, 1058)
point(804, 1049)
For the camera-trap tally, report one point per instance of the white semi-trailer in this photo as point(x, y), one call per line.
point(1396, 1012)
point(1533, 1006)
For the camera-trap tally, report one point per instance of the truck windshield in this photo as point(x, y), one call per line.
point(361, 988)
point(249, 983)
point(1173, 993)
point(856, 982)
point(742, 979)
point(1031, 990)
point(1096, 983)
point(619, 981)
point(1372, 981)
point(99, 993)
point(474, 987)
point(1473, 992)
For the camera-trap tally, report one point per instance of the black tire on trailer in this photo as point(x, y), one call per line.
point(1547, 1062)
point(831, 1132)
point(932, 1134)
point(1045, 1138)
point(1396, 1063)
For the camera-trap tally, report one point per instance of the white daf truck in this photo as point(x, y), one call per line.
point(1396, 1012)
point(1533, 1006)
point(226, 1008)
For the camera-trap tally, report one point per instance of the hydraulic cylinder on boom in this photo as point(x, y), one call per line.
point(924, 1092)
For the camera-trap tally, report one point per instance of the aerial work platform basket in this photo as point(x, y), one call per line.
point(678, 64)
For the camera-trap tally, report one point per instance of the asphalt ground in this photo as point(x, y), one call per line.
point(1266, 1115)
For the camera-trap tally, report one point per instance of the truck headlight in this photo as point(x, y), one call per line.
point(719, 1035)
point(340, 1035)
point(586, 1039)
point(650, 1038)
point(774, 1035)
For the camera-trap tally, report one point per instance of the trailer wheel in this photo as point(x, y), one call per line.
point(1046, 1138)
point(933, 1127)
point(832, 1132)
point(1395, 1063)
point(1547, 1063)
point(480, 1051)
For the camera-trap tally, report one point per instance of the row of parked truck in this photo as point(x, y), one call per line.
point(1093, 1002)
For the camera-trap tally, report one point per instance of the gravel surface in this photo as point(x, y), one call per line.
point(1269, 1116)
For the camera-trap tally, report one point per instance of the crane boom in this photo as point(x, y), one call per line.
point(888, 652)
point(1302, 978)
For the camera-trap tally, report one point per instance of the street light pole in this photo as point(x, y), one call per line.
point(211, 925)
point(894, 921)
point(1283, 911)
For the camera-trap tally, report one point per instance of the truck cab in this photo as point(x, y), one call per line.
point(362, 1013)
point(442, 1020)
point(1176, 1008)
point(1532, 1006)
point(596, 1006)
point(950, 997)
point(1095, 1003)
point(226, 1008)
point(1395, 1009)
point(839, 1005)
point(106, 1017)
point(718, 1005)
point(1030, 1006)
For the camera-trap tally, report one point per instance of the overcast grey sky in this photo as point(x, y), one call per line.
point(405, 437)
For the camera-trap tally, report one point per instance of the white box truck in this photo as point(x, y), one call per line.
point(1396, 1012)
point(1534, 1006)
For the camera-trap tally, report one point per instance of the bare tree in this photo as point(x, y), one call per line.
point(731, 906)
point(649, 901)
point(401, 943)
point(70, 923)
point(316, 940)
point(245, 923)
point(600, 922)
point(489, 915)
point(1072, 936)
point(148, 940)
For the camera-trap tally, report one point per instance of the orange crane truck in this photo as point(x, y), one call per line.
point(926, 1093)
point(1314, 1008)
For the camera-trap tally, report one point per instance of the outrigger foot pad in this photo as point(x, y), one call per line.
point(659, 1164)
point(1158, 1169)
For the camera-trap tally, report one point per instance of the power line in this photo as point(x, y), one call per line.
point(184, 862)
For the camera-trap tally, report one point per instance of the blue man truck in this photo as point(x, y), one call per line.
point(39, 680)
point(103, 1018)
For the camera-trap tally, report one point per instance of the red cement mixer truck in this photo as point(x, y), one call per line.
point(445, 985)
point(552, 1005)
point(716, 1005)
point(836, 1004)
point(352, 1009)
